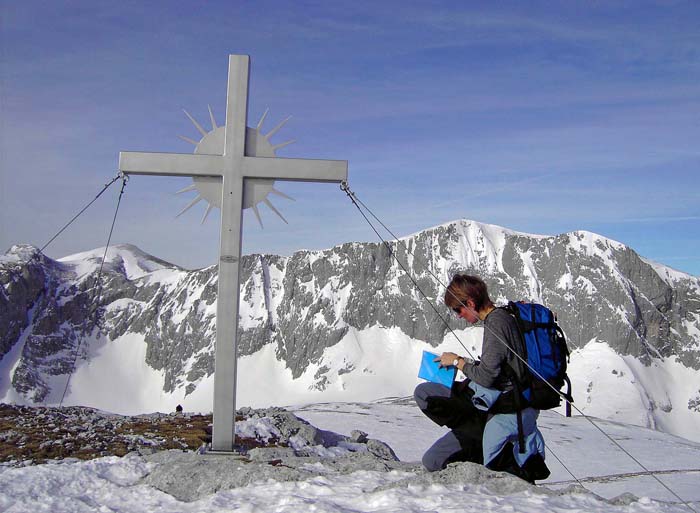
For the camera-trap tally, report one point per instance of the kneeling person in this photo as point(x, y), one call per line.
point(482, 432)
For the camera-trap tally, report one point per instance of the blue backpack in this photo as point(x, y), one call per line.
point(544, 348)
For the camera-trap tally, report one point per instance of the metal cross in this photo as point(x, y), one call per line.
point(234, 167)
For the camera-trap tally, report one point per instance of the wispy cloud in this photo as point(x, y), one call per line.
point(479, 191)
point(624, 36)
point(659, 219)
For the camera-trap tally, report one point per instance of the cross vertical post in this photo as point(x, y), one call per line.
point(234, 166)
point(226, 355)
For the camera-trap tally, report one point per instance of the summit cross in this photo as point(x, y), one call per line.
point(234, 166)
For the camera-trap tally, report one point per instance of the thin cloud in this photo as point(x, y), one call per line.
point(495, 189)
point(660, 219)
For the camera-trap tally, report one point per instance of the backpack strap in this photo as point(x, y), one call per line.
point(518, 369)
point(519, 400)
point(519, 416)
point(569, 398)
point(512, 366)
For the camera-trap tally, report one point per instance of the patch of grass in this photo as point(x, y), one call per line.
point(38, 434)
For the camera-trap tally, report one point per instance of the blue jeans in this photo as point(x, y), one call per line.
point(446, 446)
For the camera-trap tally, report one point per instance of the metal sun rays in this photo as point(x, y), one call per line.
point(257, 144)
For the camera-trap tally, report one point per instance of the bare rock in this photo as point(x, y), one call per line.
point(358, 436)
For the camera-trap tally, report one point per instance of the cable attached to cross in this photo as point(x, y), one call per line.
point(360, 206)
point(106, 186)
point(346, 189)
point(97, 284)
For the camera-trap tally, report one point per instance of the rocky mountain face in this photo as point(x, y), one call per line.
point(54, 311)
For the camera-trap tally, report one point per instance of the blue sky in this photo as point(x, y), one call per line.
point(544, 117)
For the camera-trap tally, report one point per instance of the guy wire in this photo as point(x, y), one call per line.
point(39, 251)
point(345, 187)
point(565, 467)
point(352, 197)
point(97, 285)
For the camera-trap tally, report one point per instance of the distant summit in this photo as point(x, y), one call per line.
point(126, 258)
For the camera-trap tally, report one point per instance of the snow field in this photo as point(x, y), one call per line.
point(112, 484)
point(621, 388)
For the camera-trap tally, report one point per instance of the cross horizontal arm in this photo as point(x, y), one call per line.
point(170, 164)
point(298, 170)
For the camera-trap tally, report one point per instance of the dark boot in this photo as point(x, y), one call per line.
point(472, 453)
point(533, 470)
point(505, 461)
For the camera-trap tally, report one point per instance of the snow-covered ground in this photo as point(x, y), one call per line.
point(573, 443)
point(115, 484)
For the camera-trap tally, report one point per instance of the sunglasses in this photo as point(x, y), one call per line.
point(457, 310)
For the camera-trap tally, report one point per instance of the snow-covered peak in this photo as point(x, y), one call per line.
point(592, 243)
point(583, 241)
point(475, 226)
point(18, 253)
point(134, 262)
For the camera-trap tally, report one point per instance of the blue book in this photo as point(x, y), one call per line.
point(430, 370)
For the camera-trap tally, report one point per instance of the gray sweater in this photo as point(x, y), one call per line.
point(495, 356)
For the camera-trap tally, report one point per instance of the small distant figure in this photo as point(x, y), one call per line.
point(178, 408)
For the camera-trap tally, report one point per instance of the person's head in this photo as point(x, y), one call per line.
point(470, 292)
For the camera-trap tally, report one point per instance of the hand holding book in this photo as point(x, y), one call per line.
point(440, 369)
point(449, 359)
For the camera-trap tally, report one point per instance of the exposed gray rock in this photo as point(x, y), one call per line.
point(624, 499)
point(292, 428)
point(190, 476)
point(381, 450)
point(473, 474)
point(270, 453)
point(498, 483)
point(358, 436)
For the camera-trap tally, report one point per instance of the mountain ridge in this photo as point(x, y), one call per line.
point(303, 305)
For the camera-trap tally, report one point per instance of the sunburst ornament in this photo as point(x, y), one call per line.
point(255, 190)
